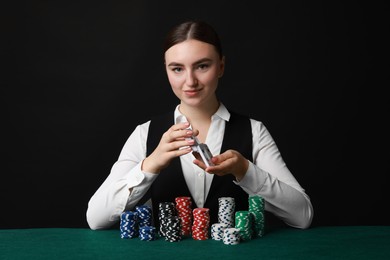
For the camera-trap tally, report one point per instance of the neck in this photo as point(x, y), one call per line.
point(199, 114)
point(200, 118)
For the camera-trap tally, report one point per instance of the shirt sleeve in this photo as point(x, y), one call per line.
point(269, 177)
point(124, 186)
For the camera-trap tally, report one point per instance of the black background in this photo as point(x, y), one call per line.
point(78, 77)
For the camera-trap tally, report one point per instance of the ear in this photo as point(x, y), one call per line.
point(221, 67)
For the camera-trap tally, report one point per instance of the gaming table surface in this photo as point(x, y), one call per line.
point(325, 242)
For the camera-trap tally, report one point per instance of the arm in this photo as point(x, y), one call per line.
point(133, 174)
point(125, 185)
point(291, 205)
point(269, 177)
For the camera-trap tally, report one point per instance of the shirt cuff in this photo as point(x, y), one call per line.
point(137, 176)
point(252, 181)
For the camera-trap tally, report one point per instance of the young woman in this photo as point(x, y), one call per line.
point(157, 163)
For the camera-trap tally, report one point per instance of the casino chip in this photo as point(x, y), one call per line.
point(165, 210)
point(144, 215)
point(201, 224)
point(184, 211)
point(256, 208)
point(234, 227)
point(231, 236)
point(217, 231)
point(244, 224)
point(226, 207)
point(138, 224)
point(147, 233)
point(129, 225)
point(169, 222)
point(171, 228)
point(177, 219)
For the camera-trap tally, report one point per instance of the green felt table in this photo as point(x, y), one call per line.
point(335, 242)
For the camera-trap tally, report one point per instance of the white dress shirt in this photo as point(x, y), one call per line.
point(268, 176)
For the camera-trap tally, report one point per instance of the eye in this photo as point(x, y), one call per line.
point(203, 66)
point(177, 69)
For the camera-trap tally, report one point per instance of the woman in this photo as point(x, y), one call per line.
point(157, 161)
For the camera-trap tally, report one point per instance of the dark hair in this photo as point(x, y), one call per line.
point(197, 30)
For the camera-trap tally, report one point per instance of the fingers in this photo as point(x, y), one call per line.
point(182, 130)
point(195, 132)
point(224, 158)
point(176, 139)
point(200, 163)
point(179, 144)
point(178, 131)
point(229, 162)
point(179, 126)
point(175, 142)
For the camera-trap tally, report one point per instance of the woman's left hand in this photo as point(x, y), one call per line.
point(229, 162)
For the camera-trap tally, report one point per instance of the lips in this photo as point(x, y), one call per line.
point(192, 92)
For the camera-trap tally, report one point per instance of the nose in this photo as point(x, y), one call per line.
point(191, 79)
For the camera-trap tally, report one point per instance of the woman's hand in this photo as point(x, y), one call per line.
point(229, 162)
point(174, 142)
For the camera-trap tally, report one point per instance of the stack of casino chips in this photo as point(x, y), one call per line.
point(128, 224)
point(165, 210)
point(244, 224)
point(201, 224)
point(184, 211)
point(231, 236)
point(147, 233)
point(226, 207)
point(256, 208)
point(171, 228)
point(169, 222)
point(217, 231)
point(144, 215)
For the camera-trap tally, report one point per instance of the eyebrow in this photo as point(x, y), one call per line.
point(174, 64)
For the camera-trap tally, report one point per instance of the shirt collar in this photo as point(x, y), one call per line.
point(221, 113)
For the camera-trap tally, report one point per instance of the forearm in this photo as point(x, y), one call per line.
point(121, 191)
point(287, 203)
point(106, 205)
point(290, 204)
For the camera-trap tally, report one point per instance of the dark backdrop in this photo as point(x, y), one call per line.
point(78, 77)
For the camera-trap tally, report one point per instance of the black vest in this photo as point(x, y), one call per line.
point(170, 182)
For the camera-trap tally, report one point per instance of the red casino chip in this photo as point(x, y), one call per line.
point(184, 210)
point(201, 223)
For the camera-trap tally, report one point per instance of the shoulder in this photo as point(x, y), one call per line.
point(237, 115)
point(240, 116)
point(259, 130)
point(257, 126)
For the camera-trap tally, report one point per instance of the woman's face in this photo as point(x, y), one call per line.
point(193, 68)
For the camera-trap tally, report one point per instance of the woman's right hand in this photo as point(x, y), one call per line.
point(176, 141)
